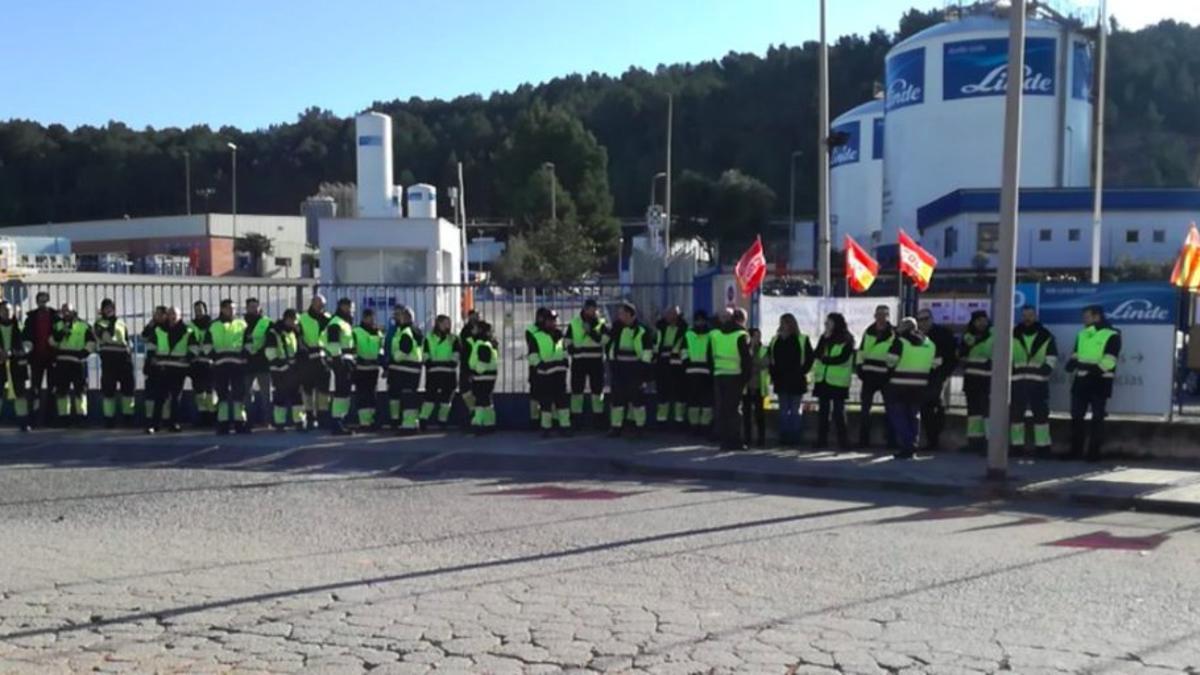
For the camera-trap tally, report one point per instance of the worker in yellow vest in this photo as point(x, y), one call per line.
point(280, 348)
point(405, 354)
point(204, 401)
point(535, 394)
point(1034, 356)
point(758, 388)
point(975, 353)
point(339, 352)
point(483, 359)
point(172, 353)
point(1093, 366)
point(116, 365)
point(831, 372)
point(698, 371)
point(669, 373)
point(442, 355)
point(587, 334)
point(368, 352)
point(872, 370)
point(631, 351)
point(732, 361)
point(226, 346)
point(550, 359)
point(314, 373)
point(14, 364)
point(258, 373)
point(73, 341)
point(911, 360)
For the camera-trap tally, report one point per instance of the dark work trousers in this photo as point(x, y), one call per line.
point(553, 400)
point(202, 378)
point(285, 393)
point(41, 380)
point(727, 414)
point(1081, 430)
point(403, 396)
point(754, 415)
point(700, 400)
point(116, 376)
point(439, 390)
point(1033, 397)
point(833, 409)
point(587, 377)
point(872, 385)
point(71, 381)
point(978, 391)
point(668, 383)
point(168, 389)
point(18, 370)
point(314, 383)
point(933, 414)
point(229, 382)
point(257, 372)
point(627, 392)
point(366, 393)
point(902, 409)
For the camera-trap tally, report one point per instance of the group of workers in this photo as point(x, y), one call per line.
point(712, 378)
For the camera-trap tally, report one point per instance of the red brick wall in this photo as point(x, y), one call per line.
point(215, 253)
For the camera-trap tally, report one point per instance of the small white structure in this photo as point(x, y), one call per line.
point(856, 174)
point(1055, 227)
point(377, 196)
point(422, 201)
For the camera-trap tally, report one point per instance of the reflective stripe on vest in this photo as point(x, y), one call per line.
point(873, 355)
point(404, 362)
point(483, 371)
point(1029, 355)
point(368, 346)
point(552, 357)
point(113, 336)
point(916, 362)
point(312, 337)
point(166, 354)
point(631, 346)
point(228, 341)
point(727, 360)
point(582, 344)
point(836, 375)
point(669, 344)
point(258, 334)
point(696, 345)
point(439, 355)
point(280, 355)
point(343, 347)
point(978, 362)
point(1089, 351)
point(75, 340)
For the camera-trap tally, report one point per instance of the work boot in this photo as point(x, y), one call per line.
point(903, 455)
point(175, 428)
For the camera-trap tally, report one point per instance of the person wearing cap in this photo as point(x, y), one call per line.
point(73, 341)
point(368, 352)
point(313, 372)
point(668, 367)
point(1093, 366)
point(37, 332)
point(975, 353)
point(225, 343)
point(339, 350)
point(442, 354)
point(14, 364)
point(549, 357)
point(1034, 356)
point(116, 364)
point(483, 359)
point(911, 360)
point(257, 371)
point(631, 350)
point(698, 370)
point(149, 372)
point(585, 340)
point(933, 415)
point(872, 370)
point(201, 367)
point(172, 352)
point(732, 363)
point(465, 335)
point(280, 349)
point(535, 393)
point(405, 355)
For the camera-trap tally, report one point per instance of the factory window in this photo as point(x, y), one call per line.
point(987, 237)
point(1073, 234)
point(1131, 236)
point(1160, 236)
point(1044, 235)
point(374, 266)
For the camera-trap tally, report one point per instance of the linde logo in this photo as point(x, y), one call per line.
point(996, 82)
point(844, 155)
point(906, 79)
point(1138, 309)
point(901, 92)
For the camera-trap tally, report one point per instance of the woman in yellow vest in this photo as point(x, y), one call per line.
point(833, 364)
point(368, 348)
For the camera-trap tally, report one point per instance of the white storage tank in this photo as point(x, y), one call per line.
point(856, 174)
point(945, 111)
point(373, 140)
point(422, 201)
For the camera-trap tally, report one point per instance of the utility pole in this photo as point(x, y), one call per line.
point(187, 180)
point(1006, 267)
point(461, 212)
point(823, 224)
point(1098, 139)
point(667, 187)
point(233, 202)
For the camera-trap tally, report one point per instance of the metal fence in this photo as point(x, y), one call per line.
point(509, 311)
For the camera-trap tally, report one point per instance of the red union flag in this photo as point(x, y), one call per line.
point(861, 268)
point(1187, 267)
point(915, 262)
point(751, 269)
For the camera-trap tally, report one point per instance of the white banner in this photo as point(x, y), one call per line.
point(810, 313)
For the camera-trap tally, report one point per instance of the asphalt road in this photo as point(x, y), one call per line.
point(191, 570)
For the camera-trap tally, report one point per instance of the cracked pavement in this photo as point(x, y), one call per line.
point(134, 569)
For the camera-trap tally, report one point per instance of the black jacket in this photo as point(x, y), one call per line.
point(947, 350)
point(789, 367)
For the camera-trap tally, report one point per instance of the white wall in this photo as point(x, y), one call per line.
point(1059, 251)
point(437, 239)
point(117, 228)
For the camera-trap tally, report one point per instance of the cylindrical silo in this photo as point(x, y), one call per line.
point(422, 201)
point(856, 174)
point(945, 111)
point(374, 142)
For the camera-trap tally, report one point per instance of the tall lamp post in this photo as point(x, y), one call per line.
point(1006, 267)
point(233, 148)
point(1098, 140)
point(654, 186)
point(548, 167)
point(823, 225)
point(187, 180)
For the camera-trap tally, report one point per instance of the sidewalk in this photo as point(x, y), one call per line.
point(1154, 486)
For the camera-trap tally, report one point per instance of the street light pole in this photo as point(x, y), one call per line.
point(792, 191)
point(1098, 140)
point(187, 180)
point(548, 167)
point(654, 186)
point(233, 202)
point(1006, 268)
point(667, 187)
point(823, 223)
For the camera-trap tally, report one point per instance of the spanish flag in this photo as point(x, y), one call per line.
point(915, 262)
point(861, 268)
point(1187, 267)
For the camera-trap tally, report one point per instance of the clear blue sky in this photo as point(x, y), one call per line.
point(251, 63)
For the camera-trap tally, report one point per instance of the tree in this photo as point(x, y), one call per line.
point(255, 245)
point(550, 253)
point(724, 214)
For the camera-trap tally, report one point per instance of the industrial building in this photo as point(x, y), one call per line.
point(856, 175)
point(204, 240)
